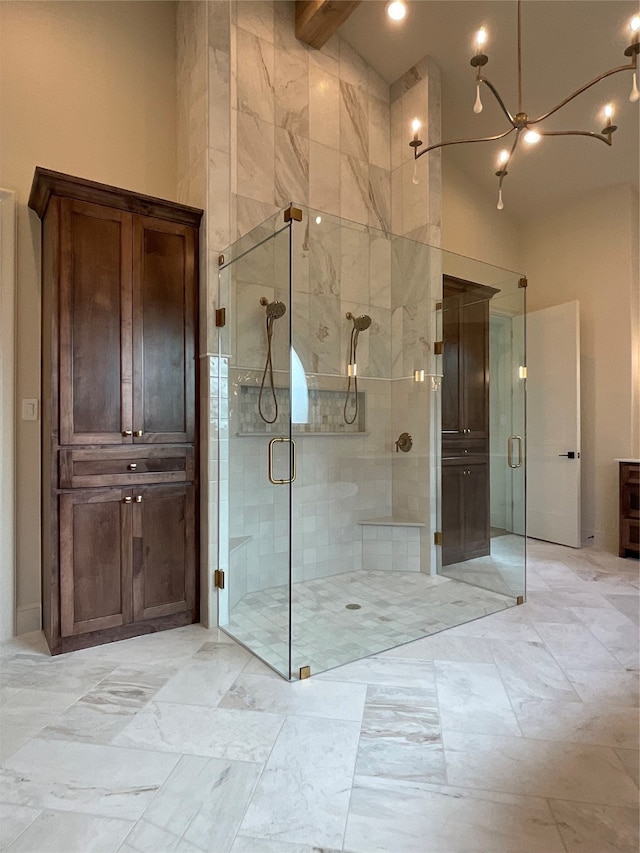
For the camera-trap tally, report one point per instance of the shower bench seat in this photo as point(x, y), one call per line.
point(391, 543)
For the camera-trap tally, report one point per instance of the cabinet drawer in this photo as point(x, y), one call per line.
point(114, 466)
point(629, 536)
point(463, 447)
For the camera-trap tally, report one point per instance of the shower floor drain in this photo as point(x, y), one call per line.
point(354, 606)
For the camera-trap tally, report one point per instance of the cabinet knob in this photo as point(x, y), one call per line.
point(139, 433)
point(126, 432)
point(133, 465)
point(138, 499)
point(128, 500)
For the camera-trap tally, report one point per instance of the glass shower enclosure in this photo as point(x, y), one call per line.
point(371, 441)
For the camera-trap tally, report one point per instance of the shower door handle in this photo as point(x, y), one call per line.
point(292, 461)
point(510, 461)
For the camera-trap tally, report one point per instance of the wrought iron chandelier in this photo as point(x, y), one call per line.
point(521, 123)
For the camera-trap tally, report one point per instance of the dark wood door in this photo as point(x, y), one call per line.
point(164, 564)
point(95, 324)
point(164, 331)
point(465, 510)
point(452, 365)
point(452, 513)
point(474, 335)
point(95, 560)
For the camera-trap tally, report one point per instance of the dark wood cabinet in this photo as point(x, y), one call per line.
point(465, 420)
point(629, 478)
point(119, 408)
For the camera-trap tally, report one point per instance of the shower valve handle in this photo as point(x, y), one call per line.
point(404, 443)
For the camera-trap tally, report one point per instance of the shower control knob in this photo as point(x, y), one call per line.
point(404, 443)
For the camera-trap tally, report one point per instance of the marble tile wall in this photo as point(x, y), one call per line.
point(264, 120)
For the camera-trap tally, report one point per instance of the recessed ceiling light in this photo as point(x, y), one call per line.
point(396, 10)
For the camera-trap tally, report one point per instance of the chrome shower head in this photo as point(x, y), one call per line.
point(275, 310)
point(360, 324)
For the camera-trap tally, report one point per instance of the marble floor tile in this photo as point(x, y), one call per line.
point(24, 713)
point(631, 760)
point(245, 844)
point(627, 604)
point(106, 709)
point(207, 677)
point(528, 670)
point(443, 647)
point(597, 685)
point(55, 832)
point(576, 722)
point(32, 643)
point(310, 697)
point(199, 730)
point(383, 670)
point(146, 838)
point(303, 795)
point(14, 820)
point(162, 648)
point(384, 818)
point(577, 772)
point(63, 674)
point(83, 777)
point(575, 647)
point(472, 698)
point(201, 803)
point(614, 630)
point(400, 736)
point(596, 829)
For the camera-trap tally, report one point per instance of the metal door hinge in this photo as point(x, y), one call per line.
point(221, 317)
point(305, 672)
point(520, 599)
point(293, 213)
point(438, 347)
point(220, 260)
point(437, 538)
point(438, 306)
point(218, 579)
point(523, 282)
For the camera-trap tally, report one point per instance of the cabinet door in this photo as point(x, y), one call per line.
point(476, 510)
point(95, 324)
point(164, 331)
point(452, 513)
point(164, 552)
point(95, 560)
point(474, 336)
point(451, 368)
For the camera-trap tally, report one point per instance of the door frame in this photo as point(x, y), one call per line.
point(7, 413)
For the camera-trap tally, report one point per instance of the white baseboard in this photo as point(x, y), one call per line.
point(28, 618)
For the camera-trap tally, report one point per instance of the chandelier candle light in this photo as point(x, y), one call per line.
point(521, 123)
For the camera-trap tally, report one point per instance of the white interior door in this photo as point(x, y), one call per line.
point(553, 424)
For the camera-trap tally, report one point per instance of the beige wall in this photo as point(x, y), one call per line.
point(587, 251)
point(471, 224)
point(88, 89)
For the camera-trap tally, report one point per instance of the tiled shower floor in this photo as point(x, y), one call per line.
point(395, 608)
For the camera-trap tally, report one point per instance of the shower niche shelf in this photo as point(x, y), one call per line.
point(325, 413)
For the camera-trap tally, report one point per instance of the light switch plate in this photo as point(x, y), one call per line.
point(30, 410)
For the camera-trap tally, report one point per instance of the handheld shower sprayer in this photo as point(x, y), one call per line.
point(274, 310)
point(360, 324)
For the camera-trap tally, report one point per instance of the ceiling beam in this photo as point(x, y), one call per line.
point(318, 20)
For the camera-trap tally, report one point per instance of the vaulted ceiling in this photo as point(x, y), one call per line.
point(565, 43)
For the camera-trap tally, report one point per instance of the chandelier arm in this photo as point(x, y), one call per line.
point(632, 66)
point(496, 95)
point(460, 142)
point(503, 171)
point(603, 137)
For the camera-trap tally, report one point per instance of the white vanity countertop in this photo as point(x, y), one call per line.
point(637, 461)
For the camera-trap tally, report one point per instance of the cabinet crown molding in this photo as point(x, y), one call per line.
point(47, 183)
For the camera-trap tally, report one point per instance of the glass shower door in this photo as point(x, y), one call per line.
point(256, 450)
point(482, 501)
